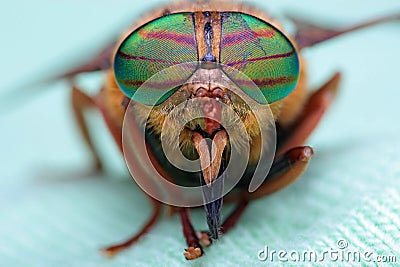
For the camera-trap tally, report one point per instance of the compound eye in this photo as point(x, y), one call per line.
point(260, 51)
point(156, 46)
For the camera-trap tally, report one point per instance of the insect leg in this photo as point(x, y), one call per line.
point(313, 111)
point(80, 103)
point(284, 171)
point(111, 251)
point(233, 218)
point(194, 249)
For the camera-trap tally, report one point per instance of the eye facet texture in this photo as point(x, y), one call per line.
point(160, 44)
point(248, 44)
point(262, 53)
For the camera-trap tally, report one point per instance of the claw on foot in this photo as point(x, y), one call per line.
point(108, 252)
point(204, 238)
point(192, 253)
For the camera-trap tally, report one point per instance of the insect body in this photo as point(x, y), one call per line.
point(210, 77)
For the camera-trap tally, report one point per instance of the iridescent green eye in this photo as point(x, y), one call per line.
point(160, 44)
point(247, 44)
point(262, 53)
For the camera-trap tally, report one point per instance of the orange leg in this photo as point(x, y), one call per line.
point(112, 250)
point(315, 108)
point(284, 171)
point(289, 166)
point(80, 103)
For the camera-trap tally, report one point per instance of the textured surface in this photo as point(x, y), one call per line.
point(262, 53)
point(158, 45)
point(52, 215)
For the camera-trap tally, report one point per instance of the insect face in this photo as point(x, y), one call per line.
point(222, 55)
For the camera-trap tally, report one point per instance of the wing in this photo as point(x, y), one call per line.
point(309, 34)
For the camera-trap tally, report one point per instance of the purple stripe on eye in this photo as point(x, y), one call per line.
point(236, 38)
point(133, 57)
point(260, 58)
point(182, 39)
point(266, 82)
point(154, 85)
point(270, 82)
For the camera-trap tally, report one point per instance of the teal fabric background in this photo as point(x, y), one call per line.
point(52, 214)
